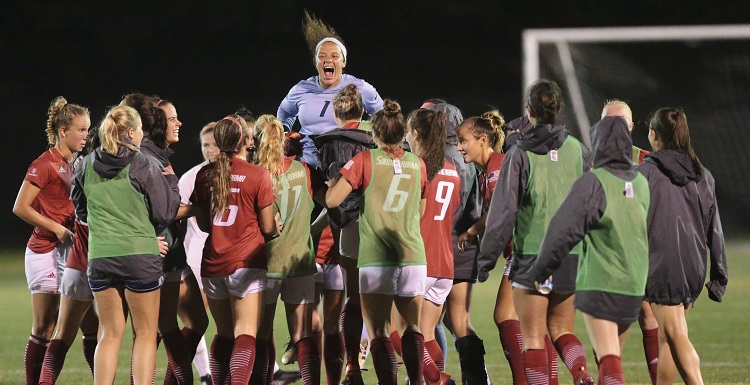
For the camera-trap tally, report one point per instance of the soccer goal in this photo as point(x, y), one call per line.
point(704, 69)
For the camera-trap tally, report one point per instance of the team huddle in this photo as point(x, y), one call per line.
point(372, 232)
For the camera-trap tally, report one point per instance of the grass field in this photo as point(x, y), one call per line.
point(720, 332)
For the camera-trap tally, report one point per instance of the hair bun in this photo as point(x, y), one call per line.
point(497, 121)
point(391, 108)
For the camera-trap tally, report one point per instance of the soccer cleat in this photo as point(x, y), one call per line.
point(206, 380)
point(584, 379)
point(353, 377)
point(283, 377)
point(362, 357)
point(290, 354)
point(445, 379)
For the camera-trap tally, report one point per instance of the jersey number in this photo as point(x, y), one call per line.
point(325, 107)
point(443, 195)
point(284, 195)
point(396, 199)
point(231, 217)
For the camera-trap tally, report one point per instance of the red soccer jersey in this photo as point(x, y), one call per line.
point(442, 195)
point(52, 174)
point(358, 171)
point(487, 185)
point(326, 253)
point(235, 240)
point(78, 258)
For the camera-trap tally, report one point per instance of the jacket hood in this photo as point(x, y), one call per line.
point(541, 139)
point(513, 131)
point(148, 147)
point(357, 135)
point(108, 165)
point(676, 165)
point(453, 119)
point(611, 143)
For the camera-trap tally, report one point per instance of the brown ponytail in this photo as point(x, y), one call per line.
point(230, 134)
point(430, 125)
point(545, 100)
point(671, 125)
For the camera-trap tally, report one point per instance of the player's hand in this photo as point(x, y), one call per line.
point(279, 223)
point(163, 246)
point(64, 235)
point(465, 238)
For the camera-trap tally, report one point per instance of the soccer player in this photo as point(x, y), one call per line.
point(535, 177)
point(480, 141)
point(291, 261)
point(44, 202)
point(683, 226)
point(607, 209)
point(392, 264)
point(311, 100)
point(123, 196)
point(646, 319)
point(234, 202)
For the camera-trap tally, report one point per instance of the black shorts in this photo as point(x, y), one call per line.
point(619, 308)
point(563, 279)
point(138, 273)
point(464, 261)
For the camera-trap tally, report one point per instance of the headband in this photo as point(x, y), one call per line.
point(334, 41)
point(159, 102)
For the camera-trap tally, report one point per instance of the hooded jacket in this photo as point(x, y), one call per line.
point(683, 227)
point(161, 197)
point(586, 203)
point(511, 187)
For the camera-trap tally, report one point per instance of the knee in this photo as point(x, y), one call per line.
point(43, 327)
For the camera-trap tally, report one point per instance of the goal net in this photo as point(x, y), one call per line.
point(703, 69)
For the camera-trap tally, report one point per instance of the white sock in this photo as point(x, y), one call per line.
point(201, 359)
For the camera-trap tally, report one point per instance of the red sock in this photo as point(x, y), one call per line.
point(412, 345)
point(436, 354)
point(396, 341)
point(535, 365)
point(53, 362)
point(651, 349)
point(430, 370)
point(34, 358)
point(333, 357)
point(351, 331)
point(308, 357)
point(571, 350)
point(318, 337)
point(243, 359)
point(89, 348)
point(384, 360)
point(551, 361)
point(259, 376)
point(220, 354)
point(610, 370)
point(512, 341)
point(179, 359)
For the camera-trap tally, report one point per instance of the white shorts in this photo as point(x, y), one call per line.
point(178, 275)
point(349, 240)
point(294, 291)
point(44, 271)
point(437, 289)
point(405, 281)
point(75, 285)
point(242, 282)
point(330, 277)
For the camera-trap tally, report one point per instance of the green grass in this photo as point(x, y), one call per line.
point(720, 332)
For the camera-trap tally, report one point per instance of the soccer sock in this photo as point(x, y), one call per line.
point(180, 370)
point(610, 370)
point(412, 345)
point(243, 359)
point(351, 331)
point(430, 369)
point(384, 360)
point(471, 357)
point(308, 357)
point(272, 366)
point(536, 366)
point(333, 358)
point(436, 354)
point(651, 349)
point(318, 337)
point(53, 362)
point(259, 376)
point(221, 352)
point(512, 341)
point(89, 348)
point(443, 344)
point(396, 342)
point(34, 358)
point(571, 350)
point(551, 361)
point(200, 361)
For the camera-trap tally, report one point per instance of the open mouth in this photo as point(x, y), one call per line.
point(328, 71)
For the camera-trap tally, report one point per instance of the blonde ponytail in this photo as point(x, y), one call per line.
point(270, 152)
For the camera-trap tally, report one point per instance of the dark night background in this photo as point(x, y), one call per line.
point(211, 57)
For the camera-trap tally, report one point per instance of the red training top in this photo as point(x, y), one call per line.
point(78, 258)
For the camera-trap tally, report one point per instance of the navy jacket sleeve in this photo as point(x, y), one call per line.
point(719, 277)
point(76, 193)
point(501, 217)
point(583, 207)
point(161, 192)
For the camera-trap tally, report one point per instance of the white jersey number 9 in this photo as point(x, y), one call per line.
point(443, 195)
point(396, 199)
